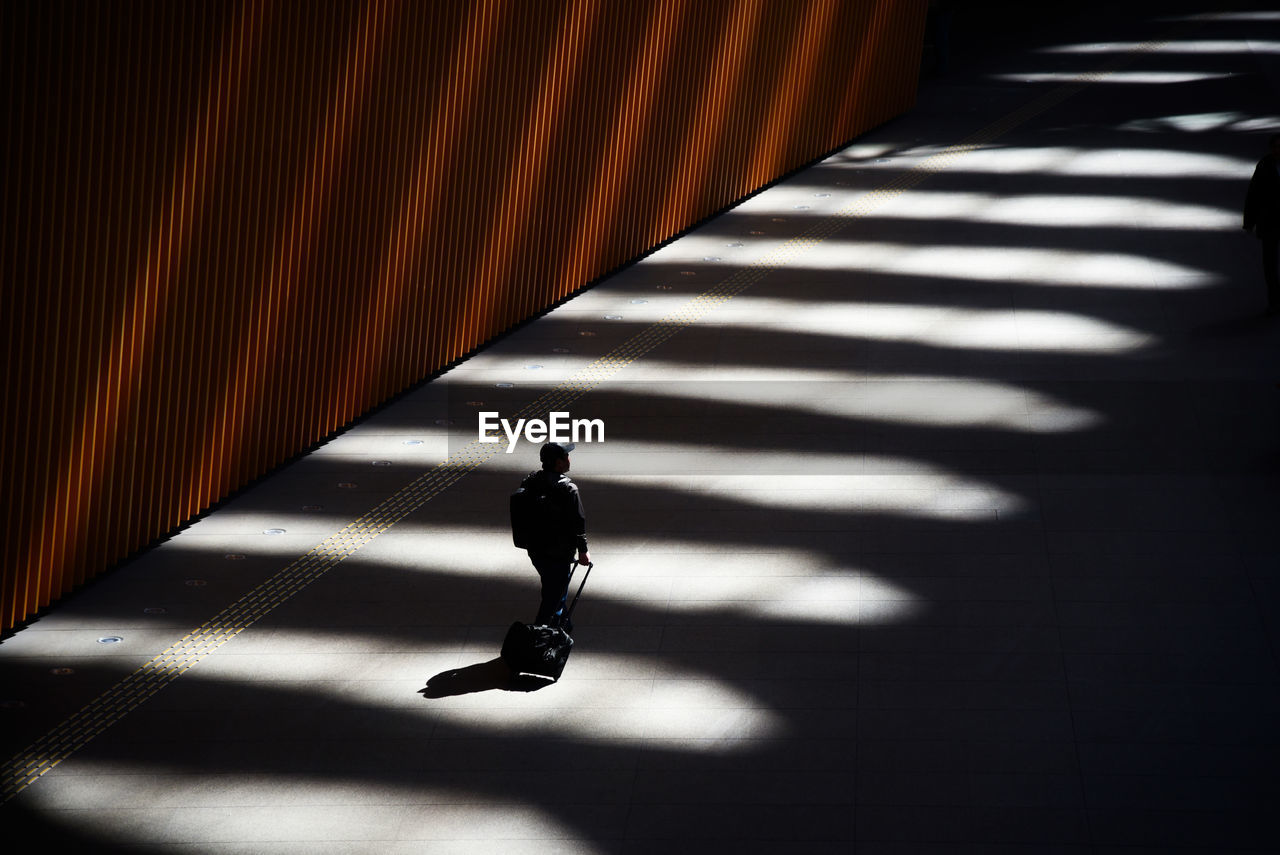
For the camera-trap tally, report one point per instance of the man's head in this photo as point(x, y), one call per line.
point(555, 456)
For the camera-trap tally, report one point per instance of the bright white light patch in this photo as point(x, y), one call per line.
point(1182, 47)
point(615, 697)
point(855, 484)
point(979, 329)
point(1233, 16)
point(1044, 210)
point(1127, 77)
point(256, 811)
point(934, 401)
point(1192, 122)
point(1108, 162)
point(1034, 267)
point(1200, 122)
point(841, 599)
point(983, 263)
point(1063, 211)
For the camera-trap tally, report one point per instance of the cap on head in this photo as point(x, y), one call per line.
point(553, 451)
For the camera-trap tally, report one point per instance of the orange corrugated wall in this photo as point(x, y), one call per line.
point(231, 228)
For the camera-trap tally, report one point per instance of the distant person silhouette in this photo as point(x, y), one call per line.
point(1262, 218)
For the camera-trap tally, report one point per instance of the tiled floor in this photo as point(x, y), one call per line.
point(946, 523)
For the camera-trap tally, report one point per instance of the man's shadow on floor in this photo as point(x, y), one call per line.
point(481, 677)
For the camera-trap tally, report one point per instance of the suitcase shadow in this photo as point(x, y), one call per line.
point(481, 677)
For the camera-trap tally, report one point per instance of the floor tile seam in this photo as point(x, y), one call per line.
point(407, 500)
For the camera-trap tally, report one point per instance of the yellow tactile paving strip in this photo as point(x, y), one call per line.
point(112, 705)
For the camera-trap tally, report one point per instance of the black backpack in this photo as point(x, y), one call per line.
point(535, 519)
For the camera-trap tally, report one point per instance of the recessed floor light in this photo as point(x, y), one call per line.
point(348, 485)
point(533, 367)
point(613, 317)
point(110, 639)
point(155, 610)
point(380, 462)
point(273, 531)
point(413, 442)
point(505, 385)
point(233, 556)
point(61, 672)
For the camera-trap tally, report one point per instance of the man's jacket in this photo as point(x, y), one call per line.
point(563, 527)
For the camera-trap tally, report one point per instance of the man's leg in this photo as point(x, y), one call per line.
point(554, 570)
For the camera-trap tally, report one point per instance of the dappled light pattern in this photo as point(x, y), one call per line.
point(934, 514)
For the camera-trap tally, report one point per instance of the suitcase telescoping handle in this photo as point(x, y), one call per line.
point(569, 612)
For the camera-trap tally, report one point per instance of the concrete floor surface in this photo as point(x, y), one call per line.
point(936, 512)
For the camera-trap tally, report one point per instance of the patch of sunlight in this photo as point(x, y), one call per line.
point(1200, 122)
point(1239, 17)
point(733, 583)
point(735, 578)
point(426, 440)
point(1126, 77)
point(1095, 162)
point(1045, 210)
point(898, 488)
point(930, 401)
point(1025, 330)
point(832, 483)
point(622, 698)
point(1036, 266)
point(248, 810)
point(864, 150)
point(228, 532)
point(835, 600)
point(1006, 264)
point(937, 401)
point(1188, 46)
point(1070, 211)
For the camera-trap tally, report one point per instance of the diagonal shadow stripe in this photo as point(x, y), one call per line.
point(79, 729)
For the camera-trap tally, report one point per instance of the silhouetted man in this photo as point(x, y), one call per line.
point(562, 532)
point(1262, 218)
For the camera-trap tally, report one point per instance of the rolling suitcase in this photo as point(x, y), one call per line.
point(542, 649)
